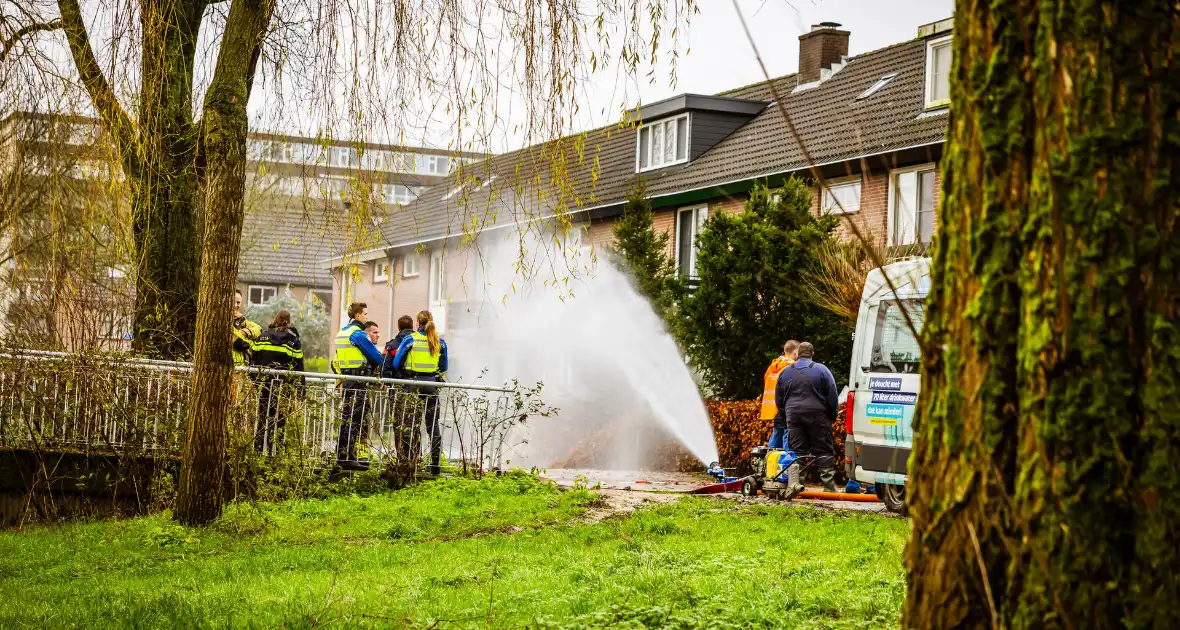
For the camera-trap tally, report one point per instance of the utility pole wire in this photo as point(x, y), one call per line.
point(872, 252)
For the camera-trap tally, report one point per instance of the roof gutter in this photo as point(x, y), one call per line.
point(378, 252)
point(665, 199)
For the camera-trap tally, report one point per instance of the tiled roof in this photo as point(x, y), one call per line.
point(283, 240)
point(599, 165)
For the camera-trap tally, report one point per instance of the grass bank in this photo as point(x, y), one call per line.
point(501, 553)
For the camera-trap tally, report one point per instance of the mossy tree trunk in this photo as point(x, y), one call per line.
point(200, 496)
point(1046, 462)
point(164, 190)
point(159, 158)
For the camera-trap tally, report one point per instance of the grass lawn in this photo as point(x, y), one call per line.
point(499, 553)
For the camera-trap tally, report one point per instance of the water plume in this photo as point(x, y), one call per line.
point(539, 310)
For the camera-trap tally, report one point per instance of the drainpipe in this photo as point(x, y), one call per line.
point(389, 281)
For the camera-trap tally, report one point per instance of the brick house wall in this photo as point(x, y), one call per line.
point(873, 216)
point(411, 294)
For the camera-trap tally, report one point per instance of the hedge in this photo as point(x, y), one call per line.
point(736, 427)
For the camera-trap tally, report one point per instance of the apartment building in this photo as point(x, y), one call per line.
point(66, 244)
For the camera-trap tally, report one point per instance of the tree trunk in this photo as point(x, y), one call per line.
point(225, 126)
point(164, 189)
point(1047, 445)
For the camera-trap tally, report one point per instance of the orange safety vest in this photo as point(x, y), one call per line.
point(769, 409)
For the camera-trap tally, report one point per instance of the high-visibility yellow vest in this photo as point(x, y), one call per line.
point(248, 334)
point(420, 359)
point(348, 356)
point(769, 409)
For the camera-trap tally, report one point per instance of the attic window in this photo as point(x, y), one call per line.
point(938, 72)
point(873, 89)
point(662, 143)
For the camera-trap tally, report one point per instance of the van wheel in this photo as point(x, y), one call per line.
point(893, 496)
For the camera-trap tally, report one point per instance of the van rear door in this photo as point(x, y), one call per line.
point(887, 387)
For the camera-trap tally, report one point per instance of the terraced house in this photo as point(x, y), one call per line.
point(874, 124)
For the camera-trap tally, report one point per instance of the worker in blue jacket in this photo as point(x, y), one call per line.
point(806, 394)
point(422, 356)
point(356, 355)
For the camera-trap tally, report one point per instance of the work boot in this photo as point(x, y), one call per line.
point(828, 477)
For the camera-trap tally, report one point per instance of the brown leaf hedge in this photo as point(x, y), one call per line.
point(736, 427)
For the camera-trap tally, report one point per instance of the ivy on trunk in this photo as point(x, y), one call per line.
point(1047, 444)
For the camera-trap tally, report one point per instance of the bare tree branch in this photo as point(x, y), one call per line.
point(114, 117)
point(7, 45)
point(869, 248)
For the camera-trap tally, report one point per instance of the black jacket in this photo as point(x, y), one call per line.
point(387, 368)
point(279, 349)
point(806, 389)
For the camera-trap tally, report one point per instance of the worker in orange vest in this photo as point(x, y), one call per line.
point(778, 437)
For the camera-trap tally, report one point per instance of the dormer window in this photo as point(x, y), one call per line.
point(938, 72)
point(662, 143)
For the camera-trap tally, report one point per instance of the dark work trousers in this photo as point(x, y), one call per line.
point(272, 419)
point(352, 419)
point(403, 406)
point(429, 398)
point(811, 433)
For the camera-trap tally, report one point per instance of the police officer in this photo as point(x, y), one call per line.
point(278, 348)
point(422, 356)
point(356, 355)
point(806, 393)
point(406, 422)
point(245, 333)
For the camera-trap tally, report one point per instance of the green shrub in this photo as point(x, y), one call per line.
point(749, 298)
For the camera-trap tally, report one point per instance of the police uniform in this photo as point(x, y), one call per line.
point(353, 360)
point(277, 349)
point(246, 333)
point(418, 363)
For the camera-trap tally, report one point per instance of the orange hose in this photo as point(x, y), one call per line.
point(838, 496)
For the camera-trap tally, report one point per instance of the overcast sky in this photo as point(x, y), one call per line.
point(717, 56)
point(720, 56)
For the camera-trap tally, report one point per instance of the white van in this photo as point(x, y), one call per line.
point(884, 380)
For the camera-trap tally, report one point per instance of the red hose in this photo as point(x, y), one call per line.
point(838, 496)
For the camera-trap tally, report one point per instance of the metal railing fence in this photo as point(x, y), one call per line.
point(118, 404)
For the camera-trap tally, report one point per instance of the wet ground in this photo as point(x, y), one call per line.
point(661, 483)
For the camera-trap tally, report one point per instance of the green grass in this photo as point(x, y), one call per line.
point(501, 553)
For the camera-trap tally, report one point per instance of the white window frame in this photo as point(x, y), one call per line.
point(931, 45)
point(346, 286)
point(664, 124)
point(891, 208)
point(381, 271)
point(408, 261)
point(319, 295)
point(263, 288)
point(702, 212)
point(876, 87)
point(843, 182)
point(436, 292)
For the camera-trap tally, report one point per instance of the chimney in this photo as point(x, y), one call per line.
point(824, 46)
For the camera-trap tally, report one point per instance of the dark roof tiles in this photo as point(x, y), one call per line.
point(597, 168)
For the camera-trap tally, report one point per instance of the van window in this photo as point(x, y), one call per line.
point(894, 347)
